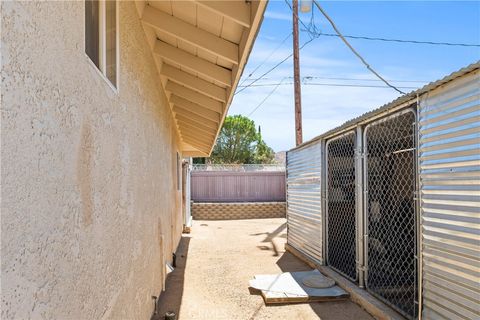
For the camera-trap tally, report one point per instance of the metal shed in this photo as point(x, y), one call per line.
point(397, 200)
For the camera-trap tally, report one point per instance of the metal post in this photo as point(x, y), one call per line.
point(365, 206)
point(296, 77)
point(419, 228)
point(323, 197)
point(359, 208)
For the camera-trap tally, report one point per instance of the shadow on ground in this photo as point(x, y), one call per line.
point(270, 236)
point(171, 298)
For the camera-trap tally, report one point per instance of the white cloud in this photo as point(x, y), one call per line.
point(277, 15)
point(282, 16)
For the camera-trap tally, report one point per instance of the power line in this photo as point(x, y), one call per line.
point(403, 41)
point(326, 84)
point(345, 41)
point(312, 29)
point(313, 35)
point(265, 60)
point(361, 79)
point(265, 99)
point(342, 79)
point(353, 49)
point(352, 85)
point(274, 67)
point(276, 85)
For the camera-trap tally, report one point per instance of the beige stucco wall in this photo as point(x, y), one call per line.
point(88, 175)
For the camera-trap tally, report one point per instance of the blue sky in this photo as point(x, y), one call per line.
point(325, 107)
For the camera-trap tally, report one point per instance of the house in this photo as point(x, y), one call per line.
point(101, 100)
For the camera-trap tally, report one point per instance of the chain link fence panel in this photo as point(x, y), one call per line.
point(238, 167)
point(391, 213)
point(341, 221)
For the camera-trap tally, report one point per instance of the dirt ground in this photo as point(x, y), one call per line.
point(215, 263)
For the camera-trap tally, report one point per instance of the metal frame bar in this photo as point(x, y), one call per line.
point(359, 206)
point(418, 201)
point(286, 196)
point(323, 197)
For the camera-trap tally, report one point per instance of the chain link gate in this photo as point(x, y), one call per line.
point(390, 174)
point(341, 221)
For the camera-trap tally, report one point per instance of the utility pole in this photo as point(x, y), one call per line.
point(296, 77)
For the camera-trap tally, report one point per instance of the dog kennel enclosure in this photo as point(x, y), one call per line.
point(391, 200)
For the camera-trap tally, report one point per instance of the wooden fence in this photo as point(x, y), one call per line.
point(232, 186)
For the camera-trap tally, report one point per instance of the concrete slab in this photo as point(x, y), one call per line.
point(216, 261)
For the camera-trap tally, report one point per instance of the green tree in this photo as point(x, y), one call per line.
point(239, 142)
point(263, 153)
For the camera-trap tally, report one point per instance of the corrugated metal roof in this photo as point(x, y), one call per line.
point(397, 102)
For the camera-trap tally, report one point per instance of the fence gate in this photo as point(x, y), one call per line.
point(390, 174)
point(341, 221)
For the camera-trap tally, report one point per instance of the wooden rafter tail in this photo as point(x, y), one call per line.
point(193, 63)
point(191, 34)
point(195, 83)
point(238, 11)
point(198, 114)
point(194, 96)
point(195, 108)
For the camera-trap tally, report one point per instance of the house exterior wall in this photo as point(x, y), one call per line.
point(90, 206)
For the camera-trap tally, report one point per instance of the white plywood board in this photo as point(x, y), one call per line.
point(288, 287)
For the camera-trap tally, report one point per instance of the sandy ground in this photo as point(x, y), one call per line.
point(215, 262)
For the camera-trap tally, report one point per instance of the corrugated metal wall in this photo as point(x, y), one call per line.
point(449, 130)
point(232, 186)
point(304, 206)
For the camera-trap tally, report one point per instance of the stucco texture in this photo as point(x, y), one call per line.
point(88, 174)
